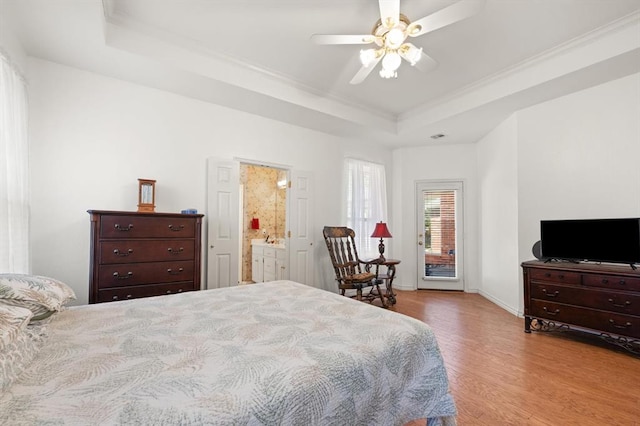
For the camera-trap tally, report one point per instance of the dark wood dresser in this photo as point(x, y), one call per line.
point(603, 298)
point(143, 254)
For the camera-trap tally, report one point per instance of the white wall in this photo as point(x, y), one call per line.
point(579, 157)
point(442, 162)
point(93, 136)
point(576, 156)
point(498, 199)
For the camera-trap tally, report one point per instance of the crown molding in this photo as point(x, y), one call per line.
point(245, 74)
point(627, 22)
point(615, 39)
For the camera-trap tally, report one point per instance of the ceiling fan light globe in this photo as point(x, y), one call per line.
point(367, 57)
point(391, 61)
point(413, 55)
point(394, 38)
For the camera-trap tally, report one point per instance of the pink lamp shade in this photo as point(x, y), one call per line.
point(381, 231)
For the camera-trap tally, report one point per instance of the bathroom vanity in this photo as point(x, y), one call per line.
point(268, 261)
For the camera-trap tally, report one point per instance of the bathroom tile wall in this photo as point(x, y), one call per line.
point(264, 200)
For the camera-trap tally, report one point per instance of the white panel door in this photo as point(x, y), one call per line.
point(300, 233)
point(223, 190)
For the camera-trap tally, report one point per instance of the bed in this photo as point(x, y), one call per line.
point(275, 353)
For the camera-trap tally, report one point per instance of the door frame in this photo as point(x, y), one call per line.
point(440, 283)
point(299, 219)
point(254, 163)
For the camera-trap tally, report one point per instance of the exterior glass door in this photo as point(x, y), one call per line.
point(439, 230)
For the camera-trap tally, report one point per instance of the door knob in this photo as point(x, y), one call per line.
point(419, 243)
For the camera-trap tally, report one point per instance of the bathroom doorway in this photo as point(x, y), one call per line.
point(226, 225)
point(263, 211)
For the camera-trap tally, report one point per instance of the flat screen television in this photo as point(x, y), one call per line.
point(597, 240)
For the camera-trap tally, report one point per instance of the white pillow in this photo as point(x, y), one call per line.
point(41, 295)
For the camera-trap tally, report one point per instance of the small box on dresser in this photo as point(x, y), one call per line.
point(598, 297)
point(137, 255)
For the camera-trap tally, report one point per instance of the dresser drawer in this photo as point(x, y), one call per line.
point(555, 276)
point(121, 275)
point(614, 301)
point(625, 325)
point(133, 251)
point(612, 282)
point(135, 292)
point(146, 227)
point(269, 252)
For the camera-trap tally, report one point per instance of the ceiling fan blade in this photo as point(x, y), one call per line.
point(342, 39)
point(426, 63)
point(363, 72)
point(416, 57)
point(447, 16)
point(389, 12)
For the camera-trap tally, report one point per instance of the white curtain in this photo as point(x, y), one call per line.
point(14, 171)
point(366, 197)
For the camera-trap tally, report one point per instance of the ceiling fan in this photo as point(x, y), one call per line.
point(390, 35)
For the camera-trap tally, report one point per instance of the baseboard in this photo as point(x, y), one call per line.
point(499, 303)
point(403, 288)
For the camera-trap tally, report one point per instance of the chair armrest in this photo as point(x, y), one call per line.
point(370, 262)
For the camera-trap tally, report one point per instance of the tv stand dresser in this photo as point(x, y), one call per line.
point(594, 297)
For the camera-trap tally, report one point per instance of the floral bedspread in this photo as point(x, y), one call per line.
point(277, 353)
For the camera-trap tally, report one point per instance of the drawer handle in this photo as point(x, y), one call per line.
point(123, 228)
point(121, 254)
point(561, 276)
point(621, 282)
point(176, 228)
point(547, 275)
point(617, 305)
point(556, 312)
point(180, 250)
point(626, 325)
point(116, 297)
point(605, 281)
point(116, 275)
point(555, 293)
point(172, 272)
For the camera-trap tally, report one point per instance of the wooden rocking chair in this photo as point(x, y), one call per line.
point(348, 267)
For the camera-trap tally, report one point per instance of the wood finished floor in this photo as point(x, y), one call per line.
point(500, 375)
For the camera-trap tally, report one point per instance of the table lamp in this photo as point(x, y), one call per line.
point(381, 231)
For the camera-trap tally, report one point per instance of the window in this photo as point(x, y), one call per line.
point(14, 196)
point(366, 202)
point(439, 222)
